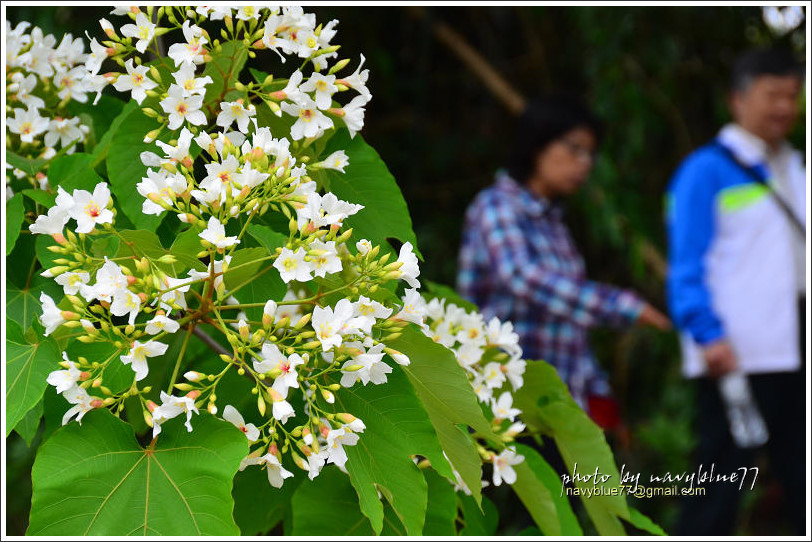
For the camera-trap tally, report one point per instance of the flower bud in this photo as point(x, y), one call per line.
point(328, 396)
point(260, 404)
point(194, 394)
point(345, 417)
point(97, 403)
point(182, 386)
point(303, 321)
point(338, 66)
point(151, 406)
point(192, 376)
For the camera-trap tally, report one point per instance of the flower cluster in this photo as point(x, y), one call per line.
point(491, 355)
point(218, 168)
point(42, 77)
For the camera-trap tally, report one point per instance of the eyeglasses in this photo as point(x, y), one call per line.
point(580, 152)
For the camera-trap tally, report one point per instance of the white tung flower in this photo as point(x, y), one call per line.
point(52, 223)
point(161, 323)
point(138, 356)
point(82, 404)
point(91, 209)
point(231, 414)
point(136, 81)
point(324, 86)
point(215, 234)
point(409, 271)
point(27, 123)
point(234, 111)
point(185, 78)
point(324, 258)
point(191, 52)
point(337, 161)
point(310, 122)
point(51, 316)
point(336, 440)
point(64, 380)
point(73, 281)
point(172, 406)
point(292, 265)
point(143, 30)
point(503, 407)
point(373, 368)
point(125, 302)
point(330, 324)
point(63, 131)
point(503, 466)
point(180, 106)
point(353, 114)
point(276, 472)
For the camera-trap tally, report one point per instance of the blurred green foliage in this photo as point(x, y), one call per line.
point(657, 78)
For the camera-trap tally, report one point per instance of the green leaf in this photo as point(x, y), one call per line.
point(73, 172)
point(447, 395)
point(24, 251)
point(27, 366)
point(185, 249)
point(95, 479)
point(246, 264)
point(267, 284)
point(328, 506)
point(224, 70)
point(29, 424)
point(125, 169)
point(644, 523)
point(368, 181)
point(397, 426)
point(267, 237)
point(142, 243)
point(547, 406)
point(28, 165)
point(478, 522)
point(45, 256)
point(46, 199)
point(258, 506)
point(539, 488)
point(103, 146)
point(441, 511)
point(15, 213)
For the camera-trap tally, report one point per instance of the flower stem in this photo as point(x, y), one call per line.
point(180, 358)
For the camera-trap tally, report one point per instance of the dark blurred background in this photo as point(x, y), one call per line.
point(657, 78)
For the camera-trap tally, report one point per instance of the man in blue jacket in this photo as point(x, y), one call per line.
point(736, 214)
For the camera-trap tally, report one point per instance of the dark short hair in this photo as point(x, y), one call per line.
point(542, 122)
point(757, 62)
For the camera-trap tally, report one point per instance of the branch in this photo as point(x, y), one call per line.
point(210, 342)
point(492, 79)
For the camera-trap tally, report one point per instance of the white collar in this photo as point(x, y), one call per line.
point(749, 148)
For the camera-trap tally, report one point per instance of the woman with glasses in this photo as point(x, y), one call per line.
point(518, 261)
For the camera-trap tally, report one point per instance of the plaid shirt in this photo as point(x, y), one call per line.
point(519, 263)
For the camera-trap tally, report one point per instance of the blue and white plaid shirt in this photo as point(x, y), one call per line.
point(518, 262)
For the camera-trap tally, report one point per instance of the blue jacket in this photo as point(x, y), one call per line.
point(731, 264)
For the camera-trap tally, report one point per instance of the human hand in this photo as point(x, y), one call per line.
point(650, 316)
point(719, 358)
